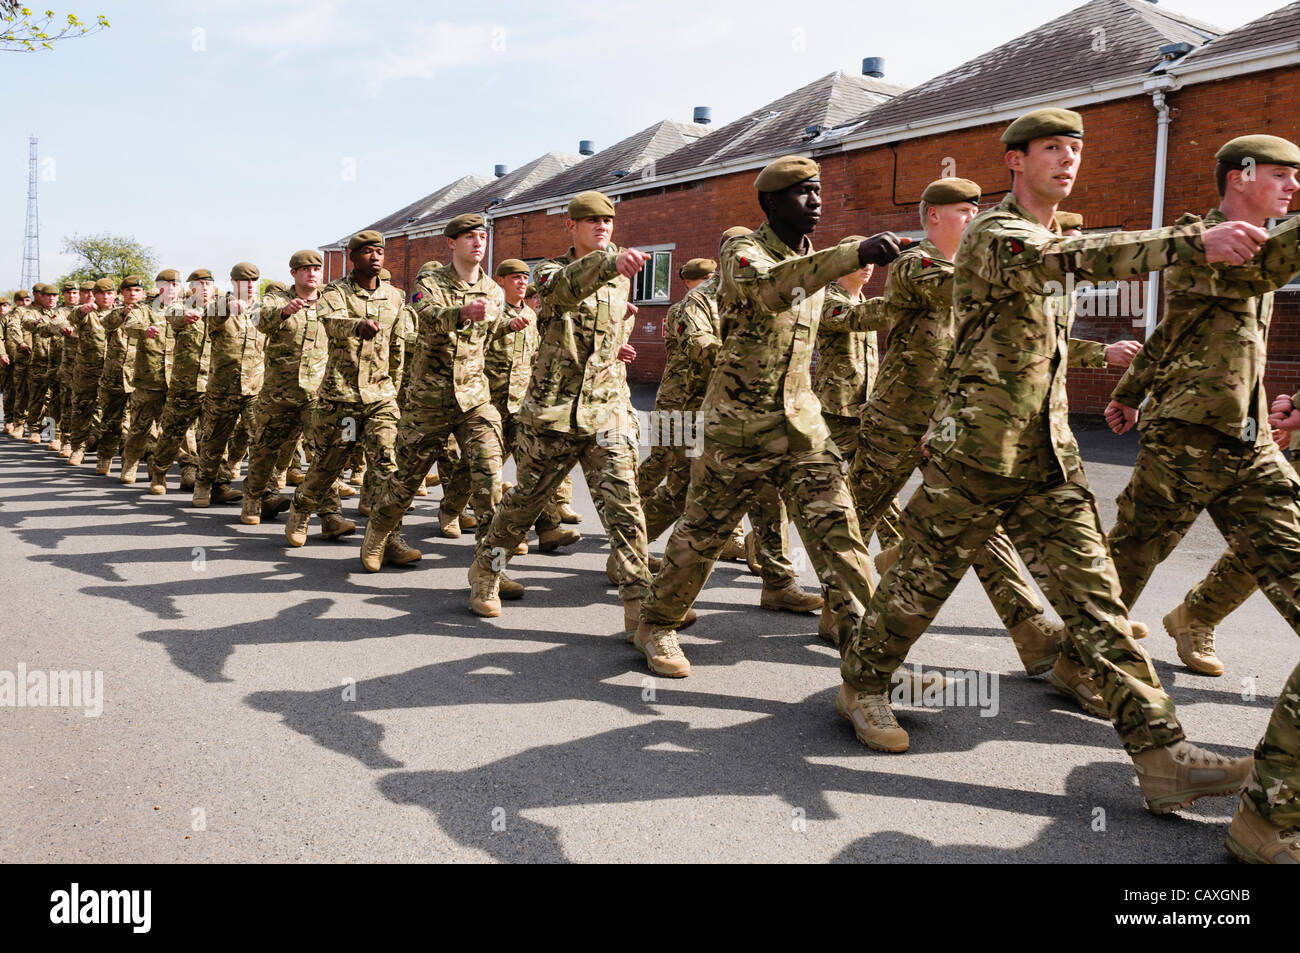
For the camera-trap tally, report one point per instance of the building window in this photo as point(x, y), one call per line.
point(651, 284)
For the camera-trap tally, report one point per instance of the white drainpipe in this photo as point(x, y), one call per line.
point(1158, 198)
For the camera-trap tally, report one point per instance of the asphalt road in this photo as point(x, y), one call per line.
point(267, 704)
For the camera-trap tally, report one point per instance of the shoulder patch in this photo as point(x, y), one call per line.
point(1016, 245)
point(417, 296)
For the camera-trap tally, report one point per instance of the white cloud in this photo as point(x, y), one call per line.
point(432, 48)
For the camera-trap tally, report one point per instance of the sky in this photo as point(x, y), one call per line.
point(234, 131)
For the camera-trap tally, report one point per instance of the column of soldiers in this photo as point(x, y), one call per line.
point(969, 389)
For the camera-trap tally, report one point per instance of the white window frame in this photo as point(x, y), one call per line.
point(654, 251)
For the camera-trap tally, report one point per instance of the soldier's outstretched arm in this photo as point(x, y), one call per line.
point(1272, 267)
point(776, 284)
point(433, 307)
point(873, 314)
point(270, 314)
point(1085, 353)
point(564, 286)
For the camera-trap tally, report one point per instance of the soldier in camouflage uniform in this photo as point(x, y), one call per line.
point(6, 362)
point(358, 399)
point(459, 309)
point(297, 350)
point(147, 326)
point(18, 342)
point(1206, 445)
point(115, 382)
point(692, 342)
point(233, 386)
point(89, 338)
point(74, 294)
point(762, 420)
point(188, 382)
point(1001, 452)
point(578, 408)
point(41, 323)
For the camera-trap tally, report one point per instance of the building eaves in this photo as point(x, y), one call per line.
point(1280, 26)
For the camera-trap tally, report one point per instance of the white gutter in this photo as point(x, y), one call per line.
point(1160, 86)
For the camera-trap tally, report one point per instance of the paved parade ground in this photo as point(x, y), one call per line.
point(267, 704)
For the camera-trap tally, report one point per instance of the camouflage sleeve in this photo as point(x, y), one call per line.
point(698, 341)
point(776, 284)
point(1085, 353)
point(138, 319)
point(114, 319)
point(270, 314)
point(334, 307)
point(1018, 255)
point(1133, 386)
point(434, 307)
point(31, 321)
point(870, 315)
point(565, 286)
point(1273, 266)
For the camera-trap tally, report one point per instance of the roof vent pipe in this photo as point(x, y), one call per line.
point(874, 66)
point(499, 170)
point(587, 147)
point(703, 115)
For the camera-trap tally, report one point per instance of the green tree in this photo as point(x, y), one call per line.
point(23, 31)
point(109, 256)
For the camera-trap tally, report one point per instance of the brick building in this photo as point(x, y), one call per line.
point(1159, 93)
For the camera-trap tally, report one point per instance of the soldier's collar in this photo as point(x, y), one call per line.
point(1012, 204)
point(768, 236)
point(1214, 217)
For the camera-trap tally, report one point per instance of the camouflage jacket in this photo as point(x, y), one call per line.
point(760, 392)
point(447, 363)
point(692, 336)
point(1005, 408)
point(509, 360)
point(1204, 363)
point(119, 353)
point(90, 342)
point(403, 341)
point(296, 350)
point(846, 347)
point(40, 324)
point(64, 343)
point(149, 371)
point(191, 352)
point(237, 348)
point(357, 370)
point(11, 327)
point(579, 384)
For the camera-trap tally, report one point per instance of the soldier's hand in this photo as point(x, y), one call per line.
point(152, 332)
point(1282, 405)
point(191, 316)
point(631, 311)
point(4, 360)
point(1233, 242)
point(627, 354)
point(1121, 353)
point(1284, 415)
point(293, 307)
point(367, 329)
point(521, 322)
point(1120, 417)
point(630, 261)
point(86, 308)
point(1282, 438)
point(66, 330)
point(23, 348)
point(475, 310)
point(881, 249)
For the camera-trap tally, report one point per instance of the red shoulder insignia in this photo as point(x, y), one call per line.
point(836, 311)
point(681, 327)
point(926, 263)
point(1016, 245)
point(744, 262)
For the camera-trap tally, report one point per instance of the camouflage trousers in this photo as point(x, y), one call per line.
point(725, 482)
point(81, 417)
point(179, 414)
point(227, 426)
point(114, 419)
point(43, 401)
point(66, 382)
point(146, 407)
point(1227, 585)
point(847, 434)
point(550, 516)
point(881, 468)
point(1273, 789)
point(6, 390)
point(665, 503)
point(15, 396)
point(543, 458)
point(335, 428)
point(421, 436)
point(1057, 527)
point(278, 425)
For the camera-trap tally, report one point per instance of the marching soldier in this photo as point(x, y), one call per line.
point(9, 337)
point(19, 345)
point(357, 399)
point(1206, 444)
point(146, 325)
point(115, 385)
point(1002, 453)
point(191, 362)
point(41, 322)
point(89, 339)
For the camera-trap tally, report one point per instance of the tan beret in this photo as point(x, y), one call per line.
point(785, 172)
point(105, 284)
point(168, 274)
point(512, 266)
point(735, 230)
point(1067, 220)
point(4, 299)
point(245, 271)
point(87, 286)
point(385, 274)
point(132, 281)
point(590, 205)
point(22, 293)
point(1263, 150)
point(200, 274)
point(951, 191)
point(1044, 122)
point(275, 287)
point(368, 237)
point(698, 268)
point(464, 223)
point(305, 259)
point(531, 292)
point(69, 286)
point(45, 289)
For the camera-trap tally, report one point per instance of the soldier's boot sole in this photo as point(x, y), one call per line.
point(885, 740)
point(1229, 779)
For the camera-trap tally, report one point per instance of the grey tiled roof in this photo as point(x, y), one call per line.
point(1280, 26)
point(430, 204)
point(521, 180)
point(779, 126)
point(1099, 41)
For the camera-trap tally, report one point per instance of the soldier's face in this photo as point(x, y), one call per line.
point(72, 298)
point(1050, 166)
point(595, 232)
point(307, 277)
point(5, 308)
point(949, 221)
point(1269, 190)
point(103, 300)
point(797, 208)
point(168, 290)
point(45, 300)
point(243, 289)
point(514, 286)
point(367, 260)
point(131, 296)
point(469, 246)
